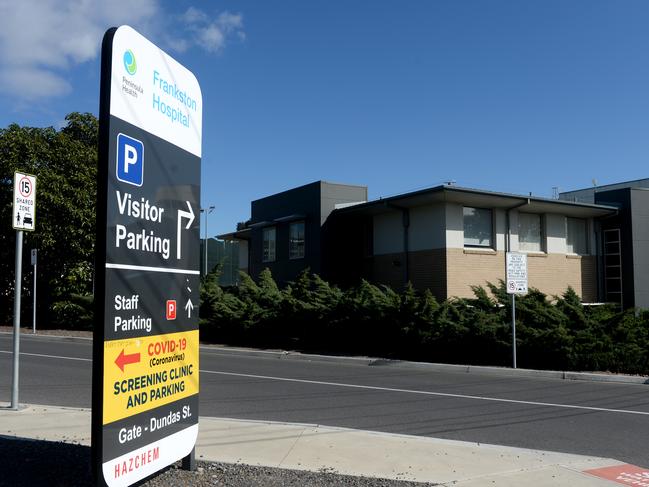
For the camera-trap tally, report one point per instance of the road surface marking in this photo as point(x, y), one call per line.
point(384, 389)
point(429, 393)
point(50, 356)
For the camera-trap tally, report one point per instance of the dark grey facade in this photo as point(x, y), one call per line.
point(310, 204)
point(624, 240)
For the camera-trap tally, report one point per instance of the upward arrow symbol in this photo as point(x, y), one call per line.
point(189, 307)
point(183, 214)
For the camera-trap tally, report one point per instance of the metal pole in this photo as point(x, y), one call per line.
point(34, 311)
point(18, 284)
point(514, 328)
point(206, 242)
point(189, 462)
point(207, 212)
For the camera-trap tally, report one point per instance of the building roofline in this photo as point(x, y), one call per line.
point(515, 198)
point(604, 186)
point(313, 183)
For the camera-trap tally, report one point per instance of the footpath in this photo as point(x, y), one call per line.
point(352, 452)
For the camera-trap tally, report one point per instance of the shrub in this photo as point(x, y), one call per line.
point(310, 314)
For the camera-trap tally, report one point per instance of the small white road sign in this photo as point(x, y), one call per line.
point(24, 202)
point(516, 273)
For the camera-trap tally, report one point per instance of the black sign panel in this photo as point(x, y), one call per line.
point(145, 357)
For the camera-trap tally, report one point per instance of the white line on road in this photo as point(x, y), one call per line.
point(384, 389)
point(49, 356)
point(429, 393)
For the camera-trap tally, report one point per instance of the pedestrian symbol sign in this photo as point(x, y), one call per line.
point(24, 202)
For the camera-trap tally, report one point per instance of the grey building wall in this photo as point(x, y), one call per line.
point(632, 199)
point(640, 236)
point(312, 203)
point(304, 200)
point(587, 195)
point(620, 198)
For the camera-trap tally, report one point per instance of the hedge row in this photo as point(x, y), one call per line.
point(311, 315)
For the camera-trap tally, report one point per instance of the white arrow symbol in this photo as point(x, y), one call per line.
point(183, 214)
point(189, 307)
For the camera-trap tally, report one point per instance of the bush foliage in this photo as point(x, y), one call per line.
point(312, 315)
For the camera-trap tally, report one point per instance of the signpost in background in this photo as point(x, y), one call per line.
point(145, 356)
point(34, 263)
point(516, 284)
point(23, 218)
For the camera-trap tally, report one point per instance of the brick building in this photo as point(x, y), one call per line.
point(444, 238)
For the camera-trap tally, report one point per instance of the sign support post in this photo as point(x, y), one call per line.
point(514, 329)
point(34, 263)
point(17, 289)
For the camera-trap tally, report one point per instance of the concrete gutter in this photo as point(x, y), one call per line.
point(435, 367)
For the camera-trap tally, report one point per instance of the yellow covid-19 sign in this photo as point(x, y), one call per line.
point(147, 372)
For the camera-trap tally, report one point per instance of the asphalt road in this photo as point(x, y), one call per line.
point(591, 418)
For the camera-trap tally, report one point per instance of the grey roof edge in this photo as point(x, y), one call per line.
point(312, 183)
point(604, 187)
point(459, 189)
point(236, 235)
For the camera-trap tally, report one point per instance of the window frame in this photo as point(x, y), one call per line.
point(491, 233)
point(291, 255)
point(542, 240)
point(264, 232)
point(586, 250)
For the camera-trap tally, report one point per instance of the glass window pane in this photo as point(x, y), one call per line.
point(269, 244)
point(477, 227)
point(576, 236)
point(296, 240)
point(529, 232)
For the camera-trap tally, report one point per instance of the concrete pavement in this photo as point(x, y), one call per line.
point(345, 451)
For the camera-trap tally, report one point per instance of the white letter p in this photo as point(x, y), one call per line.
point(130, 156)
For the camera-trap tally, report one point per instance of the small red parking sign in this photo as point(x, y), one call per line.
point(171, 309)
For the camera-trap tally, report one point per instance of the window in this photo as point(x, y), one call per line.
point(530, 233)
point(270, 240)
point(477, 227)
point(296, 240)
point(576, 236)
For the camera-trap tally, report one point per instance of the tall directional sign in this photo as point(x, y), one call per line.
point(145, 365)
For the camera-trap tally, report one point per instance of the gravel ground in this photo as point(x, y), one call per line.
point(30, 463)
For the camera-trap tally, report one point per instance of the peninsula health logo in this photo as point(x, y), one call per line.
point(129, 62)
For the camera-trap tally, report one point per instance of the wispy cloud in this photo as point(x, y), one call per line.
point(212, 33)
point(41, 41)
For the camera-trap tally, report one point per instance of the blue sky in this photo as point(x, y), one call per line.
point(514, 96)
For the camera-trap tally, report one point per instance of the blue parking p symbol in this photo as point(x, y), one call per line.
point(130, 160)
